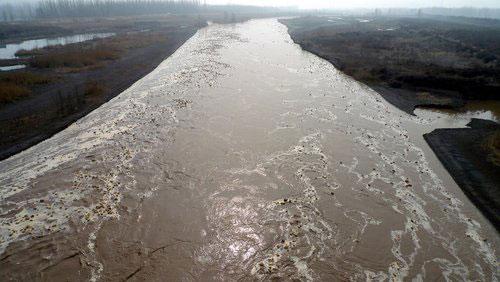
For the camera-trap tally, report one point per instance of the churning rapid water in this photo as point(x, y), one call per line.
point(241, 157)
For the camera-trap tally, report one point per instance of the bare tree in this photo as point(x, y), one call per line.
point(7, 12)
point(97, 8)
point(4, 15)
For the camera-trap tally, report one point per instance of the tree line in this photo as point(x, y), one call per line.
point(94, 8)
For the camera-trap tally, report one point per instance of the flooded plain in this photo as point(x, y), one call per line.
point(241, 157)
point(8, 51)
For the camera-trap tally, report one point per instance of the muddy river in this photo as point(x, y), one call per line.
point(241, 157)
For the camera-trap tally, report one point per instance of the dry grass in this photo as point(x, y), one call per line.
point(14, 86)
point(25, 78)
point(433, 55)
point(29, 53)
point(94, 89)
point(90, 54)
point(75, 58)
point(492, 145)
point(10, 92)
point(132, 41)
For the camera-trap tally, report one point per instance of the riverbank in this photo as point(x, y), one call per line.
point(83, 76)
point(472, 156)
point(72, 80)
point(432, 62)
point(437, 61)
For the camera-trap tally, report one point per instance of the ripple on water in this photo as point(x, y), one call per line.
point(314, 178)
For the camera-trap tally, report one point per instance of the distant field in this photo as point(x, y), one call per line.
point(451, 57)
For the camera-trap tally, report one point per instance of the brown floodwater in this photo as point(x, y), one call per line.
point(241, 157)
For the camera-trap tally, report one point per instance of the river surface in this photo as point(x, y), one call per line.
point(11, 68)
point(241, 157)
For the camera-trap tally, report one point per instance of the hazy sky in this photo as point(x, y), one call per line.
point(365, 3)
point(349, 3)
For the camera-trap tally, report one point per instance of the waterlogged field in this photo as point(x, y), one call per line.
point(9, 51)
point(241, 157)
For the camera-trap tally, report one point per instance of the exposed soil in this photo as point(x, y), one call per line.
point(467, 157)
point(407, 100)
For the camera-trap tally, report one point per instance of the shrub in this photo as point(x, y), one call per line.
point(74, 58)
point(14, 86)
point(28, 53)
point(10, 92)
point(94, 89)
point(492, 145)
point(24, 78)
